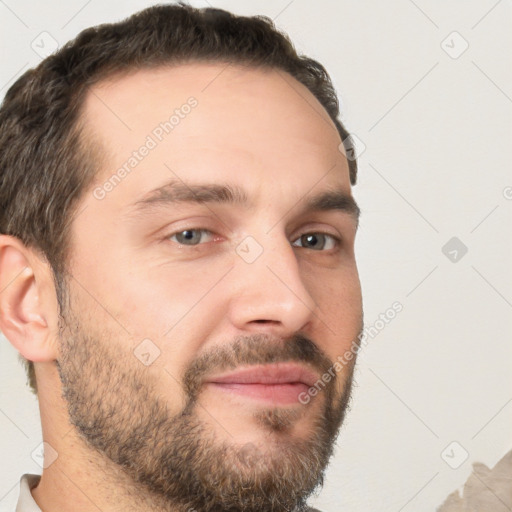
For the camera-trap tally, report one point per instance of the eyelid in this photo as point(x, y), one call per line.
point(316, 227)
point(177, 232)
point(337, 239)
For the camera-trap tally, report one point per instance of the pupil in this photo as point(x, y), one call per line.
point(189, 235)
point(311, 239)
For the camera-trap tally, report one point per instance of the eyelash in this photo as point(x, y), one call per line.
point(337, 240)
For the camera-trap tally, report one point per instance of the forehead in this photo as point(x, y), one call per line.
point(216, 118)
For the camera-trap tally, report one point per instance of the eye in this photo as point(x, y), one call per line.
point(318, 241)
point(190, 236)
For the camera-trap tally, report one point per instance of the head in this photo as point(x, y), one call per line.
point(177, 236)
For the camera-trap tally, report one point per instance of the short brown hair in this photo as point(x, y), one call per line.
point(47, 162)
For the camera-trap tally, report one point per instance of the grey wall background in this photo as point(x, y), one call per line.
point(426, 86)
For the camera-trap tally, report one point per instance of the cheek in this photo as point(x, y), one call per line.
point(339, 302)
point(176, 307)
point(338, 295)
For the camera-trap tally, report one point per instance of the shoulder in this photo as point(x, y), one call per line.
point(26, 502)
point(29, 480)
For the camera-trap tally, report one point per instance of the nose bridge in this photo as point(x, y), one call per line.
point(270, 285)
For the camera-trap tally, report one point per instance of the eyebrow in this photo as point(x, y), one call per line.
point(175, 192)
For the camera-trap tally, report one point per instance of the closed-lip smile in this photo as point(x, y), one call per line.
point(278, 382)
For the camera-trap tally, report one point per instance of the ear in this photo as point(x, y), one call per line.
point(28, 312)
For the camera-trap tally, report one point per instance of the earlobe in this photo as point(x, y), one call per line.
point(22, 318)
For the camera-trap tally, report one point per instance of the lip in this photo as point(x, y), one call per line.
point(277, 373)
point(279, 384)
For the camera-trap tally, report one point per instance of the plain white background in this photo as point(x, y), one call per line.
point(434, 121)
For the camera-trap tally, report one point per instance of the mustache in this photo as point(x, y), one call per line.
point(251, 350)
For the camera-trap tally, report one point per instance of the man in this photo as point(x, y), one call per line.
point(177, 265)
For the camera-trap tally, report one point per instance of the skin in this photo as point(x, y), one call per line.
point(131, 280)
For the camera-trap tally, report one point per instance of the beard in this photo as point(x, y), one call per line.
point(175, 461)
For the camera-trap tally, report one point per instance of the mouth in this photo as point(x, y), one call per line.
point(280, 383)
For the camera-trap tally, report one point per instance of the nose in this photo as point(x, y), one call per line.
point(268, 294)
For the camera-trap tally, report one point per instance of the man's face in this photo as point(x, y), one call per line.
point(194, 327)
